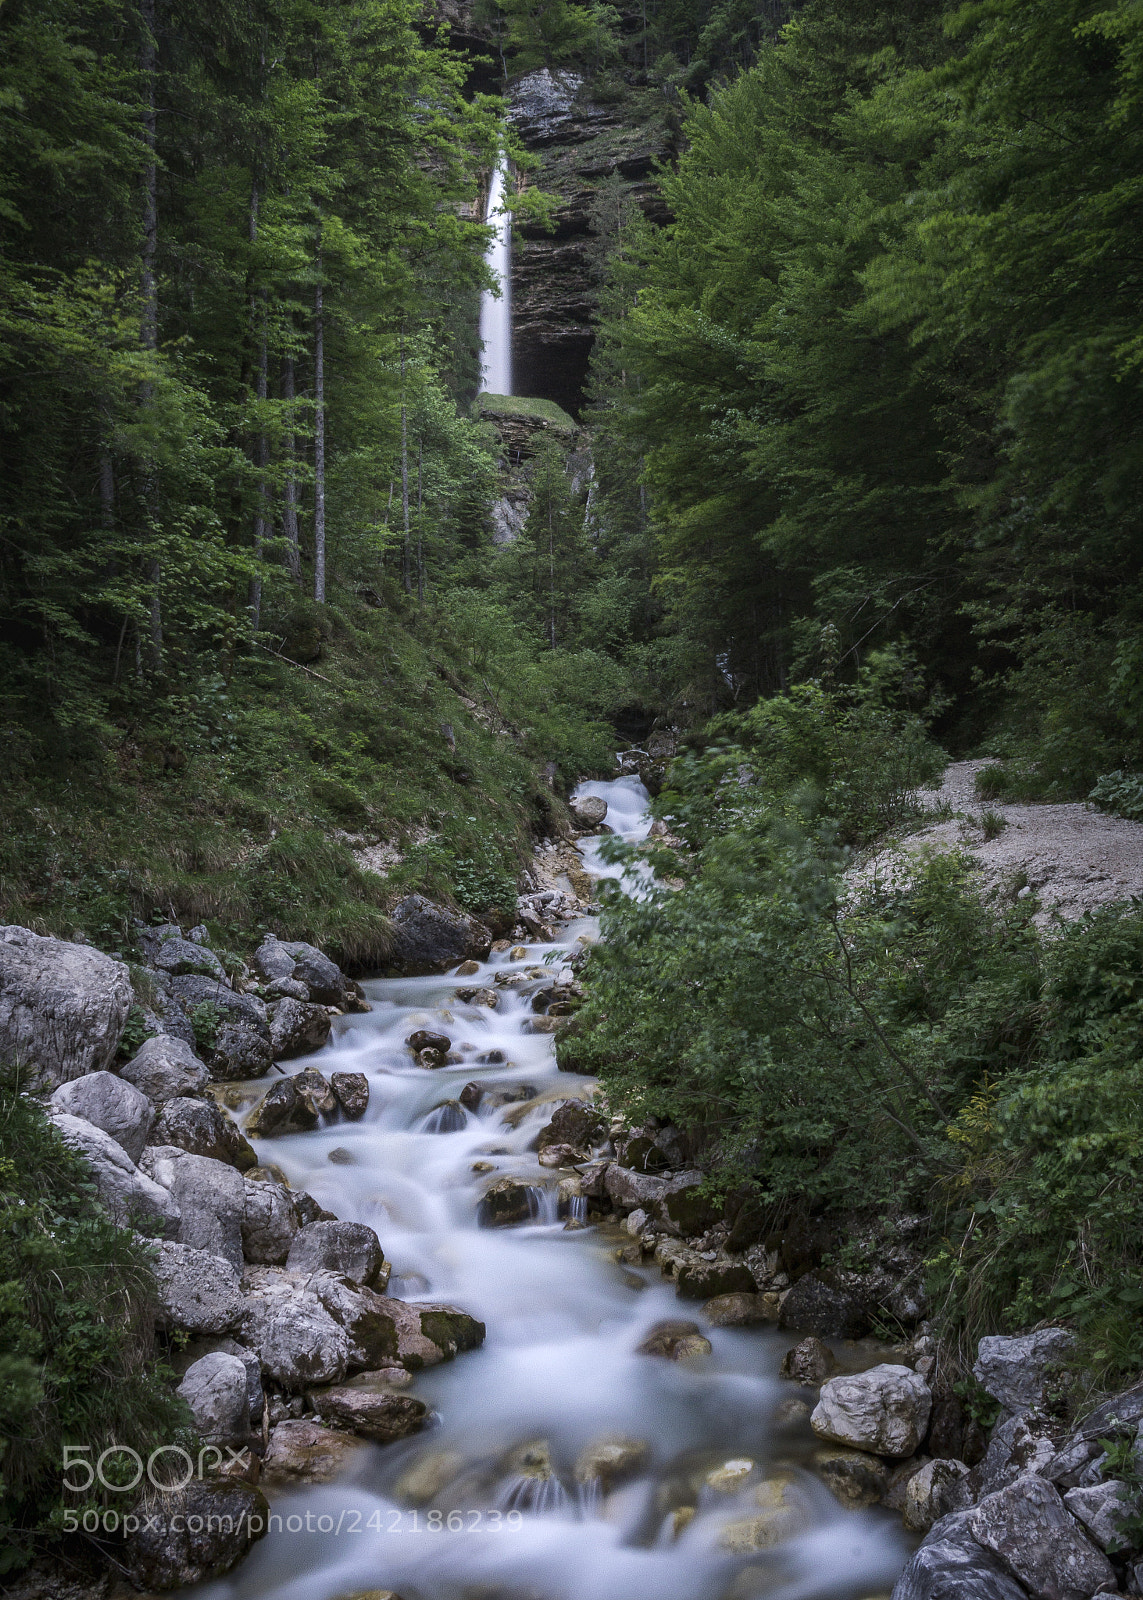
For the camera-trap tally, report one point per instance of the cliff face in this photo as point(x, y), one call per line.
point(583, 140)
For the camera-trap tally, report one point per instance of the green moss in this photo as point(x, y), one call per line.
point(519, 405)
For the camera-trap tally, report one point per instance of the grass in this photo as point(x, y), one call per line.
point(519, 405)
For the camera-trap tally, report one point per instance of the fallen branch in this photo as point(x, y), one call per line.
point(301, 667)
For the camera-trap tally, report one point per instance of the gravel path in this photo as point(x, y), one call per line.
point(1072, 857)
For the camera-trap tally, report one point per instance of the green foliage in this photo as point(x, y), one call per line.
point(1120, 793)
point(135, 1031)
point(77, 1298)
point(205, 1020)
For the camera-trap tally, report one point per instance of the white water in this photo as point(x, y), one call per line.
point(560, 1361)
point(496, 310)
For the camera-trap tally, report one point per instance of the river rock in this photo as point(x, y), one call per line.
point(590, 811)
point(214, 1344)
point(610, 1461)
point(1018, 1371)
point(931, 1493)
point(425, 1039)
point(352, 1092)
point(628, 1190)
point(428, 1334)
point(809, 1363)
point(269, 1221)
point(298, 1342)
point(245, 1010)
point(1018, 1445)
point(740, 1310)
point(109, 1103)
point(852, 1477)
point(202, 1129)
point(215, 1388)
point(1102, 1509)
point(700, 1280)
point(575, 1123)
point(951, 1565)
point(370, 1323)
point(431, 1472)
point(297, 1029)
point(166, 1068)
point(131, 1197)
point(431, 938)
point(316, 1089)
point(182, 957)
point(304, 1452)
point(198, 1292)
point(209, 1195)
point(379, 1414)
point(885, 1410)
point(240, 1052)
point(281, 1110)
point(194, 1534)
point(505, 1203)
point(1031, 1531)
point(322, 977)
point(349, 1248)
point(63, 1007)
point(813, 1306)
point(675, 1340)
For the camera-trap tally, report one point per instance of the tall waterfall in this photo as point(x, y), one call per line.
point(496, 312)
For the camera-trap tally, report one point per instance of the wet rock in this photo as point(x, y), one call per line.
point(240, 1052)
point(740, 1310)
point(281, 1110)
point(809, 1363)
point(298, 1342)
point(198, 1292)
point(478, 1096)
point(351, 1249)
point(209, 1195)
point(791, 1414)
point(431, 938)
point(215, 1388)
point(130, 1196)
point(783, 1515)
point(610, 1461)
point(628, 1190)
point(322, 977)
point(932, 1493)
point(315, 1088)
point(304, 1452)
point(700, 1280)
point(110, 1103)
point(1102, 1509)
point(561, 1155)
point(352, 1092)
point(182, 957)
point(885, 1410)
point(201, 1128)
point(951, 1565)
point(488, 998)
point(166, 1068)
point(469, 969)
point(447, 1117)
point(378, 1414)
point(309, 1211)
point(575, 1123)
point(1018, 1371)
point(505, 1203)
point(425, 1039)
point(731, 1476)
point(675, 1340)
point(813, 1306)
point(420, 1484)
point(269, 1222)
point(297, 1028)
point(194, 1534)
point(590, 811)
point(851, 1476)
point(1031, 1531)
point(63, 1007)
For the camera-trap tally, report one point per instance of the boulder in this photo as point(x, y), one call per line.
point(194, 1534)
point(209, 1195)
point(610, 1461)
point(281, 1110)
point(298, 1342)
point(269, 1221)
point(575, 1123)
point(352, 1092)
point(369, 1322)
point(701, 1280)
point(783, 1514)
point(62, 1007)
point(305, 1452)
point(628, 1189)
point(349, 1248)
point(202, 1129)
point(675, 1340)
point(380, 1413)
point(809, 1363)
point(240, 1052)
point(425, 1039)
point(322, 977)
point(851, 1476)
point(740, 1310)
point(814, 1306)
point(198, 1292)
point(885, 1410)
point(931, 1493)
point(1018, 1445)
point(951, 1565)
point(422, 1334)
point(297, 1029)
point(1102, 1509)
point(272, 960)
point(166, 1068)
point(315, 1088)
point(431, 938)
point(1018, 1371)
point(215, 1388)
point(505, 1203)
point(131, 1197)
point(1028, 1527)
point(589, 811)
point(245, 1010)
point(183, 958)
point(109, 1103)
point(286, 988)
point(214, 1344)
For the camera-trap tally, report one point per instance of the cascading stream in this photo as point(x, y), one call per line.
point(505, 1515)
point(496, 310)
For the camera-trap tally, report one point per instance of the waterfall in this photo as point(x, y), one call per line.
point(496, 312)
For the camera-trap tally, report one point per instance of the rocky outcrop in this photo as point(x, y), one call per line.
point(131, 1196)
point(885, 1410)
point(109, 1103)
point(1018, 1371)
point(62, 1007)
point(351, 1249)
point(431, 938)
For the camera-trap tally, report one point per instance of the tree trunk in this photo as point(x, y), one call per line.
point(420, 537)
point(261, 446)
point(319, 438)
point(290, 490)
point(149, 321)
point(406, 575)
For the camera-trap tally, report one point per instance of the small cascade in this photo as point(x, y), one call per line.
point(496, 311)
point(449, 1117)
point(544, 1496)
point(543, 1204)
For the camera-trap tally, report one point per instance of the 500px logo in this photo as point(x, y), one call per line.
point(163, 1469)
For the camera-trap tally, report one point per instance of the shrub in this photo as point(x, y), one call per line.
point(1120, 793)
